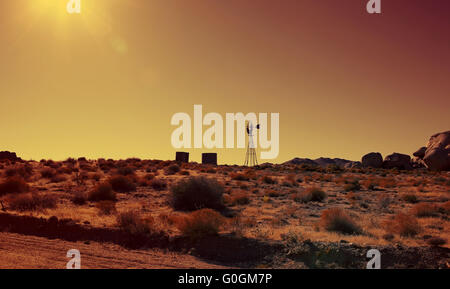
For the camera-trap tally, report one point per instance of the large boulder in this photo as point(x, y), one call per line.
point(399, 161)
point(5, 155)
point(420, 153)
point(437, 154)
point(374, 160)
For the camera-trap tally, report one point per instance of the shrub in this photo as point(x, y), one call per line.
point(410, 198)
point(102, 192)
point(79, 198)
point(445, 208)
point(132, 222)
point(197, 193)
point(48, 173)
point(158, 184)
point(239, 177)
point(312, 194)
point(122, 184)
point(425, 210)
point(436, 241)
point(269, 180)
point(106, 207)
point(125, 171)
point(336, 220)
point(239, 198)
point(31, 202)
point(14, 185)
point(353, 186)
point(172, 169)
point(403, 225)
point(201, 223)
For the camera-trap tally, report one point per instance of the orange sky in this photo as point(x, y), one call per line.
point(107, 82)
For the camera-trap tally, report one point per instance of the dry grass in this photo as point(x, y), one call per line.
point(402, 224)
point(201, 223)
point(337, 220)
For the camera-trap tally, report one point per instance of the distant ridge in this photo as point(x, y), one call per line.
point(323, 162)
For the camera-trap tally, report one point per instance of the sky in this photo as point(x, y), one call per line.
point(105, 83)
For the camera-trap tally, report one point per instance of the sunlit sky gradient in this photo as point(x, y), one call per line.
point(107, 82)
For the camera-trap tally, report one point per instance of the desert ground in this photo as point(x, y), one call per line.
point(162, 214)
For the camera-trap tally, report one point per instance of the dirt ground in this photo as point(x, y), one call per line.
point(268, 204)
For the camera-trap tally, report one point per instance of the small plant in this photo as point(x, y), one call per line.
point(13, 185)
point(410, 198)
point(425, 210)
point(197, 193)
point(201, 223)
point(48, 173)
point(158, 184)
point(269, 180)
point(239, 177)
point(436, 241)
point(79, 198)
point(352, 186)
point(102, 192)
point(133, 223)
point(336, 220)
point(31, 202)
point(239, 198)
point(122, 184)
point(313, 194)
point(403, 225)
point(106, 207)
point(172, 169)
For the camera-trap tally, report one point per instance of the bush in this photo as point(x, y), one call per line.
point(353, 186)
point(158, 184)
point(31, 202)
point(197, 193)
point(106, 207)
point(436, 241)
point(239, 198)
point(122, 184)
point(336, 220)
point(132, 222)
point(410, 198)
point(172, 169)
point(425, 210)
point(202, 223)
point(239, 177)
point(403, 225)
point(312, 194)
point(102, 192)
point(48, 173)
point(269, 180)
point(14, 185)
point(79, 198)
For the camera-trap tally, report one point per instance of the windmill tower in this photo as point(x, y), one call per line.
point(250, 155)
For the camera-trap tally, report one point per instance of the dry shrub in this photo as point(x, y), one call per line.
point(239, 177)
point(79, 198)
point(48, 173)
point(436, 241)
point(269, 180)
point(158, 184)
point(445, 207)
point(31, 202)
point(425, 210)
point(172, 169)
point(312, 194)
point(14, 185)
point(197, 193)
point(57, 178)
point(122, 184)
point(132, 222)
point(410, 198)
point(388, 182)
point(102, 192)
point(337, 220)
point(352, 186)
point(125, 171)
point(384, 201)
point(403, 225)
point(201, 223)
point(239, 198)
point(106, 207)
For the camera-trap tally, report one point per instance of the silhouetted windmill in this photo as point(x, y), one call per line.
point(250, 155)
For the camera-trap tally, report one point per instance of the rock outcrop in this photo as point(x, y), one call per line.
point(10, 156)
point(323, 162)
point(437, 154)
point(399, 161)
point(373, 160)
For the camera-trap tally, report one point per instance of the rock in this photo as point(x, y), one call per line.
point(417, 163)
point(399, 161)
point(353, 165)
point(5, 155)
point(374, 160)
point(301, 161)
point(420, 153)
point(437, 154)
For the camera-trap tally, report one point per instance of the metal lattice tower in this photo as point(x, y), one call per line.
point(250, 155)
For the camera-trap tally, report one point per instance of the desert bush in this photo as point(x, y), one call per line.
point(352, 186)
point(410, 198)
point(48, 173)
point(106, 207)
point(31, 202)
point(14, 185)
point(425, 210)
point(102, 192)
point(197, 193)
point(436, 241)
point(201, 223)
point(239, 198)
point(269, 180)
point(125, 171)
point(172, 169)
point(57, 178)
point(79, 198)
point(403, 225)
point(158, 184)
point(239, 177)
point(122, 184)
point(445, 208)
point(337, 220)
point(133, 223)
point(313, 194)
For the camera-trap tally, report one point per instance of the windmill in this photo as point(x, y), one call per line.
point(250, 155)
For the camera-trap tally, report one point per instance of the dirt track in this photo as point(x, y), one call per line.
point(20, 251)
